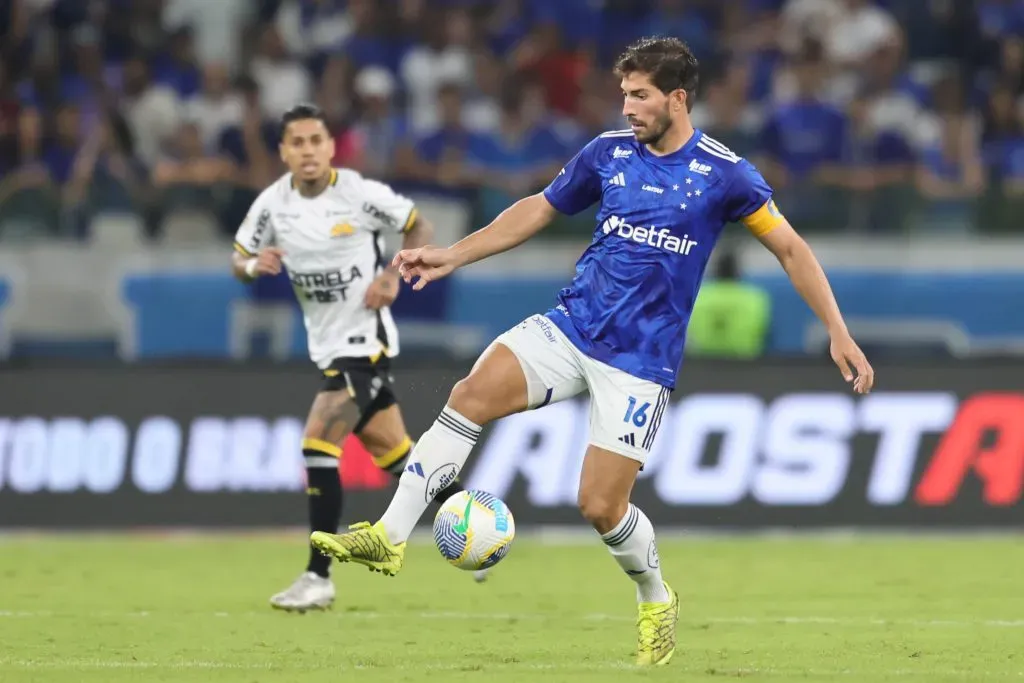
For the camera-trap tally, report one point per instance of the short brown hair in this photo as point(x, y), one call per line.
point(668, 62)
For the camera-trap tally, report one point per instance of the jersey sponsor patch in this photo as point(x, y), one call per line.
point(380, 215)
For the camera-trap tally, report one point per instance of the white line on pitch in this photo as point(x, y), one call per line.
point(525, 616)
point(79, 664)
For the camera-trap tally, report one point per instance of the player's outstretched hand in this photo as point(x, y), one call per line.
point(269, 261)
point(382, 291)
point(846, 353)
point(426, 263)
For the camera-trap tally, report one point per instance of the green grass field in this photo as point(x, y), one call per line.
point(195, 609)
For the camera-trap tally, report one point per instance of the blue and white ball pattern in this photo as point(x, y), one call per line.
point(474, 530)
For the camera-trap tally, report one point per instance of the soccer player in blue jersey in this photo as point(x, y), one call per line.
point(666, 191)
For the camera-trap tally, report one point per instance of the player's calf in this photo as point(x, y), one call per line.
point(605, 484)
point(602, 510)
point(330, 420)
point(494, 388)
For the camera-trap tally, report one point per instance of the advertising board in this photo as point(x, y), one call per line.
point(742, 445)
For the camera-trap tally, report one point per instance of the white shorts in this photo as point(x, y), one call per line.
point(625, 411)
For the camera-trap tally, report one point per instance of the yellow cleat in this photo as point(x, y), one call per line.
point(365, 544)
point(656, 630)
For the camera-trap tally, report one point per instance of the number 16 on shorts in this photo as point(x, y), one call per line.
point(643, 416)
point(637, 416)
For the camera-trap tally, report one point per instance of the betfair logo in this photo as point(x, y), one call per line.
point(342, 230)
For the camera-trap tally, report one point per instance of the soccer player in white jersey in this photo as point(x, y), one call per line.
point(665, 193)
point(326, 227)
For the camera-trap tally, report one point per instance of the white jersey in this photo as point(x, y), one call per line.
point(333, 249)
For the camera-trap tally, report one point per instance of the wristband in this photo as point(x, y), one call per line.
point(250, 267)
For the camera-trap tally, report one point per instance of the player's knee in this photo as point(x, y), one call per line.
point(470, 399)
point(602, 510)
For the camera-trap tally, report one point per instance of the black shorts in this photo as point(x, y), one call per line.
point(369, 383)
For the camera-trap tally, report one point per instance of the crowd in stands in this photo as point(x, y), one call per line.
point(879, 117)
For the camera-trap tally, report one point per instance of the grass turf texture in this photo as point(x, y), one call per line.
point(111, 609)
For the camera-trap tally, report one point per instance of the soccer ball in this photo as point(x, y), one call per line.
point(474, 530)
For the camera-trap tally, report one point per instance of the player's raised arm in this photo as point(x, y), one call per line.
point(574, 189)
point(753, 206)
point(512, 227)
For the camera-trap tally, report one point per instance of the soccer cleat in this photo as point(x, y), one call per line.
point(480, 575)
point(656, 630)
point(365, 544)
point(309, 592)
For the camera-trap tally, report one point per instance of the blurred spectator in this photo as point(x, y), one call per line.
point(1003, 156)
point(61, 146)
point(879, 165)
point(368, 44)
point(153, 111)
point(252, 144)
point(860, 28)
point(105, 176)
point(521, 156)
point(83, 79)
point(313, 28)
point(999, 18)
point(1010, 66)
point(692, 22)
point(216, 108)
point(216, 24)
point(189, 164)
point(334, 96)
point(178, 68)
point(188, 177)
point(381, 126)
point(950, 174)
point(10, 122)
point(283, 81)
point(807, 20)
point(543, 56)
point(722, 110)
point(802, 144)
point(940, 31)
point(439, 158)
point(895, 100)
point(482, 112)
point(443, 58)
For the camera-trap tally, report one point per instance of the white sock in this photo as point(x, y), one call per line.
point(632, 545)
point(434, 463)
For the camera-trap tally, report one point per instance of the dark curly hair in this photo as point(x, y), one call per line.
point(668, 62)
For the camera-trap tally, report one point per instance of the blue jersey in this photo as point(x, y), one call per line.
point(660, 216)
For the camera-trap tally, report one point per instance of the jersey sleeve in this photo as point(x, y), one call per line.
point(256, 231)
point(749, 201)
point(578, 185)
point(385, 209)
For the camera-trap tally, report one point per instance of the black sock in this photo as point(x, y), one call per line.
point(324, 494)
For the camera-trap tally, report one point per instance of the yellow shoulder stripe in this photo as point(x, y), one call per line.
point(411, 220)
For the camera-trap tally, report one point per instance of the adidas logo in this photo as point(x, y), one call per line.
point(700, 168)
point(628, 439)
point(618, 179)
point(415, 468)
point(619, 153)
